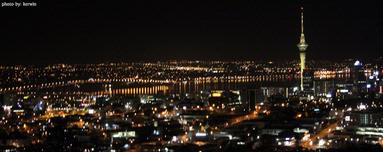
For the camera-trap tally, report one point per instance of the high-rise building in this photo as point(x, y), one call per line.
point(359, 78)
point(1, 100)
point(302, 46)
point(308, 81)
point(251, 99)
point(1, 104)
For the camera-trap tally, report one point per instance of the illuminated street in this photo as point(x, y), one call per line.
point(313, 141)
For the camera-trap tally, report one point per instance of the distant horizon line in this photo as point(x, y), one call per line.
point(192, 60)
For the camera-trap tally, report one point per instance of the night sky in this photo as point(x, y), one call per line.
point(84, 31)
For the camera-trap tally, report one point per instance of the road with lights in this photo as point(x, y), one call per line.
point(310, 144)
point(252, 115)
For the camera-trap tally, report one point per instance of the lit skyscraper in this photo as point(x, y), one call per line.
point(302, 45)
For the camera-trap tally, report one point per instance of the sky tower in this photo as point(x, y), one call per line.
point(302, 46)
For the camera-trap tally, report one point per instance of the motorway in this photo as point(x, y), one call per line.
point(310, 143)
point(252, 115)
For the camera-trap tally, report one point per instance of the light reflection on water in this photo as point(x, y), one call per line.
point(181, 87)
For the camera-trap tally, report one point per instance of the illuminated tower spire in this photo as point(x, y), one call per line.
point(302, 46)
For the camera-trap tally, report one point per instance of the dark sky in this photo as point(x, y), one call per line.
point(85, 31)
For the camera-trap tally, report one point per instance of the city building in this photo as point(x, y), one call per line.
point(359, 78)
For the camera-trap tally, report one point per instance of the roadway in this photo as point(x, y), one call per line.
point(310, 143)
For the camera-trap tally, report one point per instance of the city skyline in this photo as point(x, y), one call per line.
point(190, 76)
point(90, 32)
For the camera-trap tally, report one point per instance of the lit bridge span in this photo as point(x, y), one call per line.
point(205, 79)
